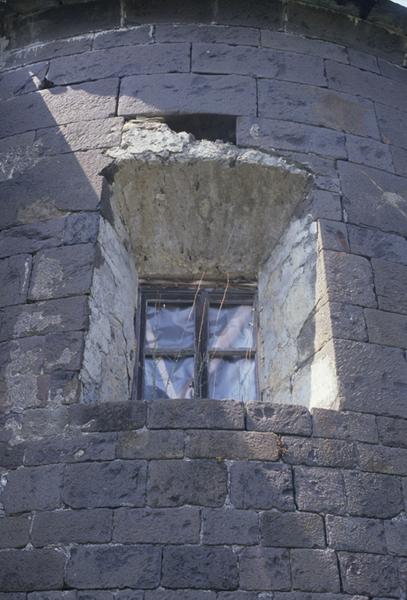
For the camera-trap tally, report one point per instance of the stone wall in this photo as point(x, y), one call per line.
point(106, 498)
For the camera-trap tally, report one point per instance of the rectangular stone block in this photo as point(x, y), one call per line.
point(264, 569)
point(390, 280)
point(45, 50)
point(344, 425)
point(315, 570)
point(32, 488)
point(377, 244)
point(80, 136)
point(187, 414)
point(112, 416)
point(46, 108)
point(323, 453)
point(88, 446)
point(347, 79)
point(62, 271)
point(15, 276)
point(230, 526)
point(187, 93)
point(373, 197)
point(29, 570)
point(267, 134)
point(261, 485)
point(393, 71)
point(22, 81)
point(295, 43)
point(157, 526)
point(280, 418)
point(151, 444)
point(386, 328)
point(371, 378)
point(325, 108)
point(392, 432)
point(396, 533)
point(72, 527)
point(14, 531)
point(332, 235)
point(123, 37)
point(105, 484)
point(114, 566)
point(11, 456)
point(75, 186)
point(392, 125)
point(345, 278)
point(355, 534)
point(324, 204)
point(199, 567)
point(67, 314)
point(369, 574)
point(369, 152)
point(363, 60)
point(208, 34)
point(178, 482)
point(372, 494)
point(233, 445)
point(381, 459)
point(319, 489)
point(120, 62)
point(292, 530)
point(43, 234)
point(264, 62)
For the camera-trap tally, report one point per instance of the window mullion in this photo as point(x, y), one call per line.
point(201, 344)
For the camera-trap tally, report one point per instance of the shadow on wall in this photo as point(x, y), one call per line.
point(53, 196)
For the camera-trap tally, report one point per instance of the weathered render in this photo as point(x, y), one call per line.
point(220, 139)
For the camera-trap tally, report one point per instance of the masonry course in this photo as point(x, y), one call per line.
point(205, 500)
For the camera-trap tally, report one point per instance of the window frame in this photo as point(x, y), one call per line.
point(202, 296)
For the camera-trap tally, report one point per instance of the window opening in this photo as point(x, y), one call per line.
point(197, 342)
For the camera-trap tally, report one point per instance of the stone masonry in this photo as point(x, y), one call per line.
point(301, 495)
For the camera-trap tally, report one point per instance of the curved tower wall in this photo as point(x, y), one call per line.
point(299, 495)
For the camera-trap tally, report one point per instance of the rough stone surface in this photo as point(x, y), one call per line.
point(66, 526)
point(157, 526)
point(315, 570)
point(116, 483)
point(319, 489)
point(232, 445)
point(187, 93)
point(103, 497)
point(292, 530)
point(355, 534)
point(261, 485)
point(264, 569)
point(113, 566)
point(200, 567)
point(30, 570)
point(177, 482)
point(230, 526)
point(372, 495)
point(368, 574)
point(263, 416)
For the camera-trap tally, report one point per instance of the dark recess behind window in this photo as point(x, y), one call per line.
point(205, 127)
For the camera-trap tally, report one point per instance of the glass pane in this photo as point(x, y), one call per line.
point(169, 325)
point(168, 378)
point(232, 378)
point(231, 327)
